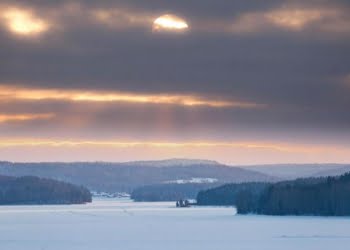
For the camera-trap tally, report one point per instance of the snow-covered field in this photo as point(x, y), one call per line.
point(122, 224)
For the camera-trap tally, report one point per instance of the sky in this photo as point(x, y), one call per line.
point(240, 82)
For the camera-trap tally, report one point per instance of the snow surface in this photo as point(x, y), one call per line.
point(122, 224)
point(97, 194)
point(194, 180)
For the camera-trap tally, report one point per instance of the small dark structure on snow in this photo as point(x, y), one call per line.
point(183, 203)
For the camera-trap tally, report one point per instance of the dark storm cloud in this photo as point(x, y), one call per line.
point(296, 72)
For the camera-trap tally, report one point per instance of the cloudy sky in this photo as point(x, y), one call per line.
point(241, 82)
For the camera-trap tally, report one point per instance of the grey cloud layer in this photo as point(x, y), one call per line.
point(297, 73)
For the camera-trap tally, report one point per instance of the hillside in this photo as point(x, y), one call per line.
point(294, 171)
point(124, 177)
point(34, 190)
point(228, 194)
point(312, 196)
point(170, 192)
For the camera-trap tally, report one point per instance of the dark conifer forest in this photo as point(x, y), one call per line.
point(35, 190)
point(313, 196)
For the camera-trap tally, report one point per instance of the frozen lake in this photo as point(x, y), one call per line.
point(122, 224)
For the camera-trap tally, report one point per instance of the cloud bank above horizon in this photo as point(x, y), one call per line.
point(80, 77)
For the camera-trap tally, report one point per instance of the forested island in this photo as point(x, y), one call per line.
point(34, 190)
point(328, 196)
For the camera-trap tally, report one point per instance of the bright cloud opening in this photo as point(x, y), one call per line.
point(24, 22)
point(169, 22)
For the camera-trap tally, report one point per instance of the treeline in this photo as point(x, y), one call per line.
point(313, 196)
point(34, 190)
point(229, 194)
point(169, 192)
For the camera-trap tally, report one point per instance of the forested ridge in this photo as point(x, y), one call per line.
point(35, 190)
point(227, 194)
point(125, 177)
point(312, 196)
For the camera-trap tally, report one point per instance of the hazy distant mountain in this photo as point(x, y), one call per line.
point(124, 177)
point(293, 171)
point(172, 162)
point(339, 170)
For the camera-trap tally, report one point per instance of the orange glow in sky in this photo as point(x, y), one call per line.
point(114, 150)
point(41, 142)
point(18, 93)
point(24, 117)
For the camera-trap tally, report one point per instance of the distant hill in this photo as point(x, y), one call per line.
point(294, 171)
point(171, 163)
point(340, 170)
point(125, 177)
point(170, 192)
point(34, 190)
